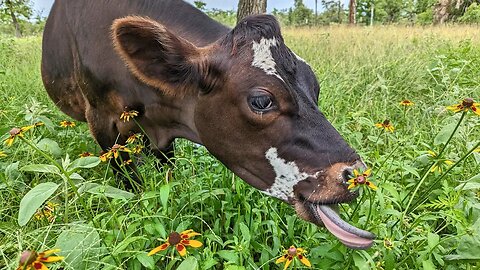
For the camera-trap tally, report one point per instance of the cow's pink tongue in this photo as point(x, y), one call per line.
point(349, 235)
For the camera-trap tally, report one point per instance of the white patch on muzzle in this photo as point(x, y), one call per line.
point(287, 175)
point(262, 56)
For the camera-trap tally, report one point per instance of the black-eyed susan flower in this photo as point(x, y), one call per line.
point(180, 241)
point(388, 243)
point(134, 137)
point(31, 260)
point(114, 152)
point(292, 253)
point(47, 212)
point(126, 115)
point(17, 132)
point(361, 179)
point(67, 124)
point(387, 125)
point(439, 166)
point(126, 162)
point(86, 154)
point(2, 154)
point(406, 103)
point(464, 106)
point(137, 149)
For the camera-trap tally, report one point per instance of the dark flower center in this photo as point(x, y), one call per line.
point(361, 179)
point(386, 123)
point(174, 238)
point(28, 257)
point(292, 251)
point(116, 146)
point(467, 103)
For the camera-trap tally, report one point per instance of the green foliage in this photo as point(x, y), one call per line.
point(471, 15)
point(423, 219)
point(299, 14)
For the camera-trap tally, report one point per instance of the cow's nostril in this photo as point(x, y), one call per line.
point(347, 174)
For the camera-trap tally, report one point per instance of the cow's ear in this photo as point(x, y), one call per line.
point(156, 56)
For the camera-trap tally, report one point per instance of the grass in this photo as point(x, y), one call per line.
point(422, 219)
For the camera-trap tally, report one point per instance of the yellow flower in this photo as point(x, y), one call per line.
point(66, 124)
point(137, 149)
point(85, 154)
point(439, 165)
point(385, 125)
point(388, 243)
point(465, 105)
point(2, 154)
point(126, 115)
point(361, 179)
point(31, 260)
point(18, 132)
point(406, 102)
point(134, 137)
point(292, 253)
point(47, 212)
point(477, 150)
point(180, 241)
point(114, 152)
point(126, 162)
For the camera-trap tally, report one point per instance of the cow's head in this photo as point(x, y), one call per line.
point(255, 110)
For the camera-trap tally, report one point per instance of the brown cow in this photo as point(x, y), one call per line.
point(240, 92)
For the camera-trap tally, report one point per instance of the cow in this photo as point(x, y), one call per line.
point(241, 92)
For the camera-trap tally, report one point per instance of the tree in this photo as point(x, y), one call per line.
point(200, 5)
point(352, 12)
point(300, 14)
point(14, 11)
point(333, 10)
point(250, 7)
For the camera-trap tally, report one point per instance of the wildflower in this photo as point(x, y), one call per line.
point(385, 125)
point(361, 179)
point(439, 165)
point(66, 124)
point(179, 240)
point(114, 152)
point(85, 154)
point(31, 260)
point(126, 162)
point(292, 253)
point(477, 150)
point(17, 132)
point(126, 115)
point(47, 212)
point(137, 149)
point(388, 243)
point(134, 137)
point(465, 105)
point(2, 154)
point(406, 103)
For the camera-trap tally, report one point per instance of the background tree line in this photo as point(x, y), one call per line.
point(17, 16)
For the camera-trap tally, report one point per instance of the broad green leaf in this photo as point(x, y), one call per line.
point(50, 146)
point(360, 261)
point(84, 163)
point(433, 240)
point(190, 263)
point(444, 134)
point(33, 200)
point(107, 191)
point(164, 193)
point(245, 232)
point(43, 168)
point(146, 261)
point(228, 255)
point(125, 243)
point(428, 265)
point(80, 245)
point(468, 246)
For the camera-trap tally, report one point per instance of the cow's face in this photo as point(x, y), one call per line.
point(256, 111)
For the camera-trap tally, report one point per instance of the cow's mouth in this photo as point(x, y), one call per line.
point(349, 235)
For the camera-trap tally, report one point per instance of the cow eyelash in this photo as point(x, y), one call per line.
point(261, 103)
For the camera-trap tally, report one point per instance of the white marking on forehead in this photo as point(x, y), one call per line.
point(262, 56)
point(287, 175)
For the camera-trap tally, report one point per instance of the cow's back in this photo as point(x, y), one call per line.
point(80, 68)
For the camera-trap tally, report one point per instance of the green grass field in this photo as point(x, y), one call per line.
point(425, 211)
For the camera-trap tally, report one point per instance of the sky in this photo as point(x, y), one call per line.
point(42, 7)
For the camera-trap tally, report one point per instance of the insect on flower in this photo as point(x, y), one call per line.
point(31, 260)
point(180, 241)
point(126, 115)
point(66, 124)
point(292, 253)
point(387, 125)
point(361, 179)
point(466, 105)
point(406, 103)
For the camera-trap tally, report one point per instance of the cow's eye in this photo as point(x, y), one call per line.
point(260, 102)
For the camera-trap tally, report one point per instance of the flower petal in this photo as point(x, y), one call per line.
point(455, 108)
point(39, 266)
point(367, 172)
point(189, 233)
point(475, 108)
point(352, 185)
point(51, 251)
point(304, 260)
point(371, 185)
point(181, 249)
point(51, 259)
point(288, 262)
point(159, 248)
point(192, 243)
point(281, 259)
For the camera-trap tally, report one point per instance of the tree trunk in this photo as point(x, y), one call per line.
point(352, 12)
point(440, 12)
point(250, 7)
point(18, 31)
